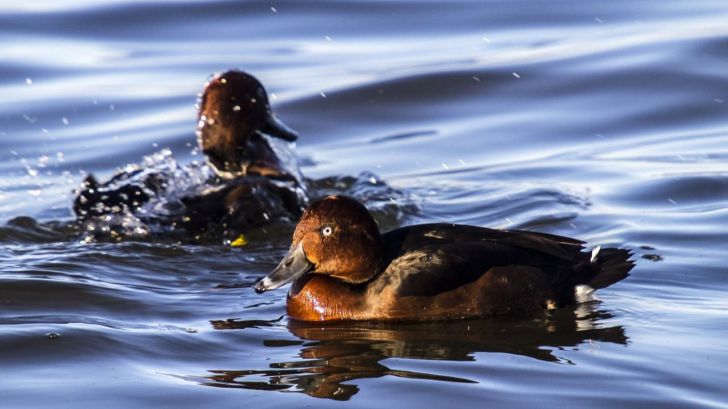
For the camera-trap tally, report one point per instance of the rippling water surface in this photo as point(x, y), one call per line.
point(606, 121)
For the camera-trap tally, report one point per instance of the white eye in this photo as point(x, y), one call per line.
point(326, 231)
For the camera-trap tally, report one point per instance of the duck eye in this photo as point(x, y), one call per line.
point(326, 231)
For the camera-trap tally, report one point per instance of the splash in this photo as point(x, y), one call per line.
point(160, 182)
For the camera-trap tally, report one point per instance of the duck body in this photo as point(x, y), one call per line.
point(242, 203)
point(447, 272)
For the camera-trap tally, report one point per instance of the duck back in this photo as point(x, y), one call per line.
point(509, 270)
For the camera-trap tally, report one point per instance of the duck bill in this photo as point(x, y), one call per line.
point(294, 265)
point(275, 127)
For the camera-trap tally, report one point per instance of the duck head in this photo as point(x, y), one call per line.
point(234, 115)
point(336, 237)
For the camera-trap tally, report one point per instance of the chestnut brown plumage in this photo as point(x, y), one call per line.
point(344, 269)
point(234, 114)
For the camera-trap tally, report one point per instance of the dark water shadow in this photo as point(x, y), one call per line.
point(335, 355)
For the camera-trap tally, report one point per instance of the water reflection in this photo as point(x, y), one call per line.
point(334, 355)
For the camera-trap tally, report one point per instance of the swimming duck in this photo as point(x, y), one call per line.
point(343, 268)
point(251, 181)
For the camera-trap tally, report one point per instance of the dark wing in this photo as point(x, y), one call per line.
point(242, 203)
point(430, 259)
point(438, 268)
point(415, 237)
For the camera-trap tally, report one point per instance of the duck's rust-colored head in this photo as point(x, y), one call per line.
point(336, 237)
point(234, 114)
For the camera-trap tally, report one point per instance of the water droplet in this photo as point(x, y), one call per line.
point(29, 81)
point(273, 9)
point(516, 75)
point(43, 161)
point(64, 120)
point(236, 108)
point(53, 335)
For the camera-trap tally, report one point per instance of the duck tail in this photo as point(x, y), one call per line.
point(610, 265)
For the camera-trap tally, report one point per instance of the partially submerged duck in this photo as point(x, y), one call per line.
point(343, 268)
point(252, 180)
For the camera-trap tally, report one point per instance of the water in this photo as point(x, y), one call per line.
point(603, 121)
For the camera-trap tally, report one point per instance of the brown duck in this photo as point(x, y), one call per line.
point(343, 268)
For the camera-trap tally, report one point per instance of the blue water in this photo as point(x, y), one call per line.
point(606, 121)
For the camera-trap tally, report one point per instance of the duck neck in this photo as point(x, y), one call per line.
point(363, 262)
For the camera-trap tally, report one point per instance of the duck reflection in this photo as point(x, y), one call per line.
point(337, 353)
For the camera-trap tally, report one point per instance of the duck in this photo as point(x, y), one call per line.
point(343, 269)
point(253, 178)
